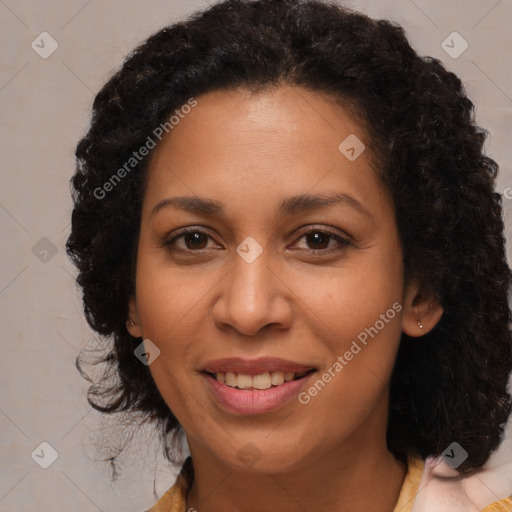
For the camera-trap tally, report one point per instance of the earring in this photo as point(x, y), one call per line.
point(131, 322)
point(420, 324)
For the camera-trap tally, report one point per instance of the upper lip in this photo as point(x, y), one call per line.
point(255, 366)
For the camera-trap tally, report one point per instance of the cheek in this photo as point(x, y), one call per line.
point(357, 315)
point(352, 298)
point(169, 300)
point(362, 315)
point(166, 314)
point(169, 306)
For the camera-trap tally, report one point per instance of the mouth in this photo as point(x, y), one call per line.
point(259, 393)
point(258, 382)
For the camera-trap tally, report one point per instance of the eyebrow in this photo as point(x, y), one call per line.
point(290, 206)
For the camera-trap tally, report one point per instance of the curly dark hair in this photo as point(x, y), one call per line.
point(450, 385)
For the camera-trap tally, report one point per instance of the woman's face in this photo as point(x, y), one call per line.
point(273, 265)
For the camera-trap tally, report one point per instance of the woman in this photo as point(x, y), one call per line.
point(285, 223)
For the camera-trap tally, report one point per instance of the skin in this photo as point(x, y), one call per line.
point(202, 302)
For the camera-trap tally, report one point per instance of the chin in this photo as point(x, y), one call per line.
point(269, 460)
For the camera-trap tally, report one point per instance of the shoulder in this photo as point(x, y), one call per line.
point(428, 488)
point(443, 490)
point(174, 499)
point(500, 506)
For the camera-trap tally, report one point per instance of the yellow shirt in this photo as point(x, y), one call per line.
point(174, 500)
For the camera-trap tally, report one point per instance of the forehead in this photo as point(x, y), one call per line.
point(286, 115)
point(282, 141)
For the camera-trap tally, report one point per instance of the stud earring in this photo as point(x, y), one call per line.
point(131, 322)
point(420, 324)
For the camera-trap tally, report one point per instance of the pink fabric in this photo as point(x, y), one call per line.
point(441, 491)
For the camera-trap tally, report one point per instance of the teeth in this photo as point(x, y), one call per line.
point(244, 381)
point(277, 378)
point(231, 379)
point(261, 381)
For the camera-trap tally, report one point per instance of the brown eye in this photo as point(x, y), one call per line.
point(191, 240)
point(319, 242)
point(195, 240)
point(318, 239)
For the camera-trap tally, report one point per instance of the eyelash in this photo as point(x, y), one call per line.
point(342, 242)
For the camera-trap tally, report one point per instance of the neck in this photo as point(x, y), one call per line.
point(353, 477)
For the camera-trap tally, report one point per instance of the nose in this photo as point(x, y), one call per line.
point(252, 298)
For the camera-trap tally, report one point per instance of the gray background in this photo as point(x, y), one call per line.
point(45, 106)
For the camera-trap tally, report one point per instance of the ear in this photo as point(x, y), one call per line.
point(421, 312)
point(133, 321)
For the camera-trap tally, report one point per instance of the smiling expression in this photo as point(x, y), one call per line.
point(265, 170)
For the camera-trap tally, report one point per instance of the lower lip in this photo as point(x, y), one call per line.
point(243, 401)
